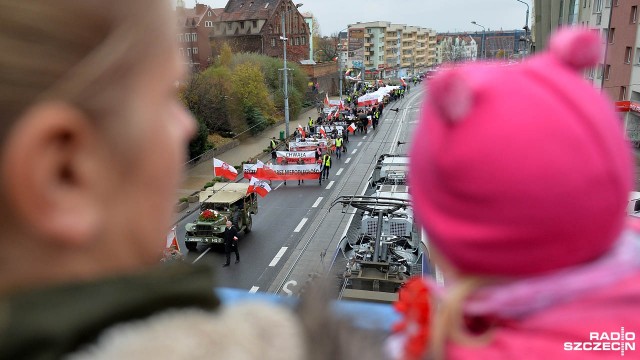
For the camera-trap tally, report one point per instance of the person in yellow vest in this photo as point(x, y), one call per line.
point(338, 147)
point(326, 165)
point(311, 125)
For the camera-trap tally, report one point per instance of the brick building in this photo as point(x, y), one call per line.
point(194, 26)
point(255, 26)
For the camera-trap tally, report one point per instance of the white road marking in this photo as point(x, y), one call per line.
point(330, 185)
point(315, 204)
point(354, 151)
point(364, 137)
point(253, 290)
point(285, 288)
point(360, 143)
point(278, 186)
point(347, 161)
point(278, 256)
point(339, 172)
point(299, 227)
point(201, 255)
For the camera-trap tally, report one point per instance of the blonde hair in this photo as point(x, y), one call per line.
point(448, 319)
point(84, 53)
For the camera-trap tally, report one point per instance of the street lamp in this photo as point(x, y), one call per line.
point(482, 52)
point(286, 85)
point(526, 28)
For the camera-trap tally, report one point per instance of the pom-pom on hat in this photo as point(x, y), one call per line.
point(521, 169)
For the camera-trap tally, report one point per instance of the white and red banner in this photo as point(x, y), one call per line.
point(352, 127)
point(301, 131)
point(308, 145)
point(259, 187)
point(283, 172)
point(294, 157)
point(221, 168)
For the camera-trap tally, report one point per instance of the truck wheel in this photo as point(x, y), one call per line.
point(247, 228)
point(191, 246)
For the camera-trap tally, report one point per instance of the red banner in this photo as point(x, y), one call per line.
point(282, 172)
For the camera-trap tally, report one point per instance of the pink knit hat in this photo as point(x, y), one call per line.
point(522, 169)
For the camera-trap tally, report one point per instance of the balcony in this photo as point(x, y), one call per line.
point(367, 35)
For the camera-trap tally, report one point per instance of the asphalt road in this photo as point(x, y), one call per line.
point(280, 222)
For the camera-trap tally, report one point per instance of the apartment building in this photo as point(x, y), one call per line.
point(390, 50)
point(194, 26)
point(493, 44)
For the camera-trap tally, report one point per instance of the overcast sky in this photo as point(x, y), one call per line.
point(441, 15)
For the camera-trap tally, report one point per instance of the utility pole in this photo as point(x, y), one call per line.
point(286, 80)
point(483, 51)
point(526, 29)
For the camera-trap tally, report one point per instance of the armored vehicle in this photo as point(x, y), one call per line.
point(219, 203)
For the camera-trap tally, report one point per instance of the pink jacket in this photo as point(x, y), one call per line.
point(549, 334)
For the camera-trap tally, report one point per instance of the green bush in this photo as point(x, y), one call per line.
point(184, 199)
point(209, 184)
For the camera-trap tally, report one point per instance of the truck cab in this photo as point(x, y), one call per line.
point(219, 203)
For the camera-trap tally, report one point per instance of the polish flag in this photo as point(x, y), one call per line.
point(403, 83)
point(263, 171)
point(341, 107)
point(301, 131)
point(172, 240)
point(352, 127)
point(322, 131)
point(326, 99)
point(330, 116)
point(259, 187)
point(221, 168)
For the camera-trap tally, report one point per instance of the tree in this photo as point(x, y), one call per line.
point(205, 96)
point(500, 54)
point(327, 48)
point(199, 143)
point(248, 90)
point(226, 55)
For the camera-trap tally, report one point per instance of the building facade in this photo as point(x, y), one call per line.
point(390, 50)
point(194, 26)
point(256, 26)
point(500, 44)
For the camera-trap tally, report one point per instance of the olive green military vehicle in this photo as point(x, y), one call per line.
point(219, 203)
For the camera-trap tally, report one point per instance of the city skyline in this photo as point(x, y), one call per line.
point(439, 15)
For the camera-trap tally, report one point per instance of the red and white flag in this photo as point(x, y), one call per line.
point(326, 99)
point(322, 132)
point(301, 131)
point(221, 168)
point(403, 83)
point(172, 240)
point(352, 127)
point(259, 187)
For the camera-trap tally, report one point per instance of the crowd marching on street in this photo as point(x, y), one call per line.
point(335, 122)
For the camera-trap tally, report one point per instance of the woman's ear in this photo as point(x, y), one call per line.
point(48, 168)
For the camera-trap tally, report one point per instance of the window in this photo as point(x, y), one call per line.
point(612, 35)
point(605, 35)
point(607, 72)
point(188, 51)
point(627, 55)
point(194, 37)
point(273, 42)
point(634, 15)
point(600, 70)
point(616, 2)
point(195, 50)
point(623, 93)
point(228, 26)
point(187, 37)
point(296, 41)
point(179, 37)
point(242, 25)
point(254, 23)
point(209, 13)
point(607, 3)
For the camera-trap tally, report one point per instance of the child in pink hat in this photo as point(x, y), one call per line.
point(521, 184)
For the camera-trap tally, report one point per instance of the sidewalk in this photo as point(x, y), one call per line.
point(199, 175)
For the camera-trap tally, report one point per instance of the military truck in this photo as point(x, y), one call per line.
point(219, 203)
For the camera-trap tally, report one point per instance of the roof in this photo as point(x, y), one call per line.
point(192, 17)
point(224, 193)
point(249, 10)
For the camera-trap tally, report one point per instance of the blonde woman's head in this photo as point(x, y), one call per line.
point(92, 136)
